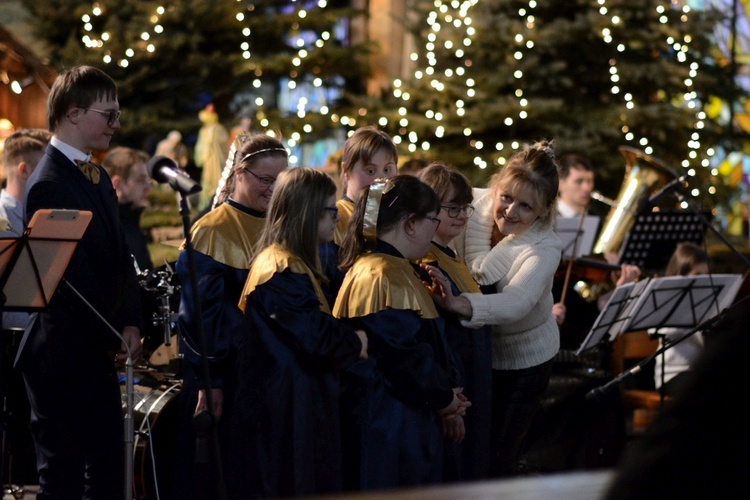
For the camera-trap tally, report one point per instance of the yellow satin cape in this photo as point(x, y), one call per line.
point(276, 259)
point(227, 235)
point(346, 209)
point(377, 282)
point(454, 267)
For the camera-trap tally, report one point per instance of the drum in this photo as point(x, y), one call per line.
point(155, 419)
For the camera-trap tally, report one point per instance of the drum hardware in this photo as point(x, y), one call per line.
point(160, 294)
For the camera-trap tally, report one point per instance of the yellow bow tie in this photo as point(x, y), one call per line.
point(89, 170)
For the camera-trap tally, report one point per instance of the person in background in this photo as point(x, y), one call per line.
point(671, 367)
point(286, 428)
point(576, 185)
point(512, 250)
point(22, 151)
point(224, 243)
point(393, 409)
point(468, 460)
point(367, 155)
point(413, 165)
point(68, 353)
point(127, 169)
point(172, 147)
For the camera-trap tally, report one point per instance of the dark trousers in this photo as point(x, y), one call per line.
point(516, 396)
point(77, 425)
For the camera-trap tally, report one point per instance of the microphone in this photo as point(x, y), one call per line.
point(164, 170)
point(678, 182)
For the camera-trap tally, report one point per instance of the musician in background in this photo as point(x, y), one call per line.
point(127, 169)
point(576, 176)
point(23, 150)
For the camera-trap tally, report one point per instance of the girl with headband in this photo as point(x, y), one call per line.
point(224, 240)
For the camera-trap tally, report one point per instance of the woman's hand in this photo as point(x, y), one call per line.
point(453, 428)
point(443, 295)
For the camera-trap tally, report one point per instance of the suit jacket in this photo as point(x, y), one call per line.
point(101, 270)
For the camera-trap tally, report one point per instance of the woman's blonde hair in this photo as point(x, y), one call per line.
point(533, 167)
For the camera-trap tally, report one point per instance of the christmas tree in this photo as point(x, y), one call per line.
point(291, 65)
point(490, 75)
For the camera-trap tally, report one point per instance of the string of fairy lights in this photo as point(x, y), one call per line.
point(449, 29)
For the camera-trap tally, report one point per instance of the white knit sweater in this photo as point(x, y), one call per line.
point(522, 267)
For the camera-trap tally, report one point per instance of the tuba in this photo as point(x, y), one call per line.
point(644, 175)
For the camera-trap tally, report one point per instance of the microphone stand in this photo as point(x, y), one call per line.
point(206, 421)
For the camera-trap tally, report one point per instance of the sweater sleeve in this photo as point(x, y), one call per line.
point(516, 300)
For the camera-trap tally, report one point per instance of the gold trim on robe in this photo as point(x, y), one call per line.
point(276, 259)
point(379, 281)
point(454, 267)
point(346, 209)
point(227, 235)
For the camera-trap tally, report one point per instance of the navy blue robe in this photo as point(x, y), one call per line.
point(392, 435)
point(286, 425)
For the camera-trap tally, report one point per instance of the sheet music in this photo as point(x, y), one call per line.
point(683, 301)
point(566, 230)
point(614, 314)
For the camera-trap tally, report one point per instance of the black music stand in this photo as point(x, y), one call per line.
point(672, 301)
point(655, 235)
point(613, 315)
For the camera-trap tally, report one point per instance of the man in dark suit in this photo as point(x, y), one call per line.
point(68, 356)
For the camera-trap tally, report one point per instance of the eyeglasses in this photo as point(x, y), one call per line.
point(266, 180)
point(456, 210)
point(334, 211)
point(112, 115)
point(433, 219)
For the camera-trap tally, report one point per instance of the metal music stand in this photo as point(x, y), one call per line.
point(655, 235)
point(44, 252)
point(672, 301)
point(613, 315)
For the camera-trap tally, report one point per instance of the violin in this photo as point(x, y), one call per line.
point(592, 269)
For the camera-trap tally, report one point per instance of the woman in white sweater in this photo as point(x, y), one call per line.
point(512, 251)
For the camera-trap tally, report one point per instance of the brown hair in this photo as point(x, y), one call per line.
point(294, 214)
point(533, 167)
point(120, 160)
point(78, 87)
point(24, 145)
point(364, 143)
point(441, 178)
point(573, 161)
point(685, 258)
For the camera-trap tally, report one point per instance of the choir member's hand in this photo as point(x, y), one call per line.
point(132, 337)
point(217, 402)
point(558, 311)
point(362, 338)
point(453, 428)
